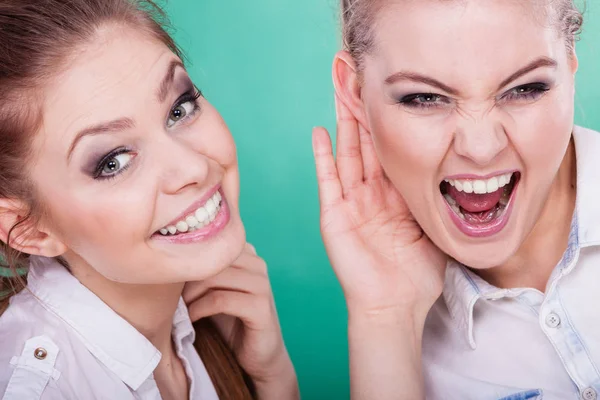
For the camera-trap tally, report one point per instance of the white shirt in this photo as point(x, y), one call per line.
point(84, 350)
point(482, 342)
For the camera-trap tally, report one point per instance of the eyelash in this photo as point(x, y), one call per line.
point(102, 163)
point(533, 92)
point(191, 96)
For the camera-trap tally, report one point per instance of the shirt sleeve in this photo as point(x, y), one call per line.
point(32, 372)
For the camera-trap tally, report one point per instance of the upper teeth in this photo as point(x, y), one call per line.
point(199, 219)
point(480, 186)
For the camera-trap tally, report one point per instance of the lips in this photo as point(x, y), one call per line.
point(480, 207)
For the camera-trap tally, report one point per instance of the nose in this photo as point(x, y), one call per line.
point(180, 165)
point(481, 140)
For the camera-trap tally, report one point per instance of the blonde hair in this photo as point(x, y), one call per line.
point(359, 19)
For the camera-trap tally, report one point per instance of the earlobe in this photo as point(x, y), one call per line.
point(346, 80)
point(24, 236)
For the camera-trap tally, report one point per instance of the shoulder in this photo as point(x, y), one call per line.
point(33, 342)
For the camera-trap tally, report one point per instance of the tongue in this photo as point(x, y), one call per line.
point(475, 203)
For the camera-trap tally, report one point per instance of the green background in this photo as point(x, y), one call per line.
point(266, 66)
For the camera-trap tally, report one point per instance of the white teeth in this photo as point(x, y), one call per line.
point(501, 181)
point(199, 219)
point(191, 221)
point(449, 199)
point(467, 187)
point(492, 185)
point(182, 227)
point(202, 215)
point(210, 206)
point(480, 186)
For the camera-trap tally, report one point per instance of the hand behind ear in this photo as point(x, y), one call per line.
point(378, 251)
point(24, 234)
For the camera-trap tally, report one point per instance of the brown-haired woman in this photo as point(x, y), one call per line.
point(461, 214)
point(118, 183)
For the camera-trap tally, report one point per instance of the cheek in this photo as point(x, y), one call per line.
point(541, 136)
point(111, 218)
point(411, 148)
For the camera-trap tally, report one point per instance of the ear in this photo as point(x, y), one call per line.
point(346, 80)
point(574, 61)
point(25, 236)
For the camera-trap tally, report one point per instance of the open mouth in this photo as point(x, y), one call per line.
point(480, 207)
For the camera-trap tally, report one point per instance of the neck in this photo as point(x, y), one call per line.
point(148, 308)
point(543, 249)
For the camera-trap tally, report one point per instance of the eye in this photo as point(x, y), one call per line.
point(528, 92)
point(185, 107)
point(180, 112)
point(114, 164)
point(424, 100)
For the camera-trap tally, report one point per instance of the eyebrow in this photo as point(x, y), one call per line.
point(542, 62)
point(167, 82)
point(104, 127)
point(419, 78)
point(127, 123)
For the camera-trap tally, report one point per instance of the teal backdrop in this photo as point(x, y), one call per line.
point(265, 65)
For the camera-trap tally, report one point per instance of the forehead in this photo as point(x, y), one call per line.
point(471, 36)
point(108, 78)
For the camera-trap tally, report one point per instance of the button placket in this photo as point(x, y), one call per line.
point(560, 331)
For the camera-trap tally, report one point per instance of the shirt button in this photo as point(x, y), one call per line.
point(40, 353)
point(553, 321)
point(589, 394)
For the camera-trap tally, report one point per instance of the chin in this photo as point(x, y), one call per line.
point(483, 256)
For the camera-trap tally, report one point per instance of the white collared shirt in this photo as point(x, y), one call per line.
point(59, 341)
point(486, 343)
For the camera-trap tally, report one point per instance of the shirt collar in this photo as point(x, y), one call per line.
point(463, 288)
point(587, 149)
point(105, 334)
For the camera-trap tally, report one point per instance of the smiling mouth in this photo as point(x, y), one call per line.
point(480, 206)
point(198, 219)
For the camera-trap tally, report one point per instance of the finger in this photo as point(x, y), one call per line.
point(231, 279)
point(255, 312)
point(348, 152)
point(372, 165)
point(330, 188)
point(250, 262)
point(250, 248)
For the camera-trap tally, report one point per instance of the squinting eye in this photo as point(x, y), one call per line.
point(115, 165)
point(528, 92)
point(424, 100)
point(180, 112)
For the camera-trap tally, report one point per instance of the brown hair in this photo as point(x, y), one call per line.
point(359, 18)
point(36, 39)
